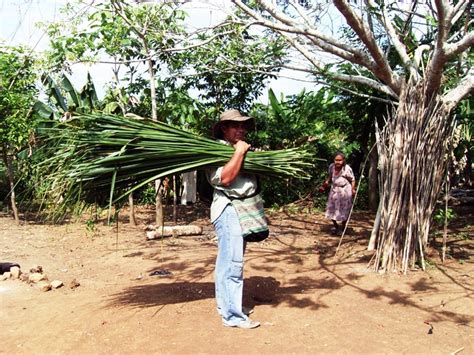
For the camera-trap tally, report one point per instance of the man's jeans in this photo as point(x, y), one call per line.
point(229, 267)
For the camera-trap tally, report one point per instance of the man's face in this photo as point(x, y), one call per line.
point(234, 131)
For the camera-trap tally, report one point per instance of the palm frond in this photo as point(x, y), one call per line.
point(89, 151)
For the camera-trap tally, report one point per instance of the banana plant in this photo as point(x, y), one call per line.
point(64, 99)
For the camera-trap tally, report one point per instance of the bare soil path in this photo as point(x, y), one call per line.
point(308, 299)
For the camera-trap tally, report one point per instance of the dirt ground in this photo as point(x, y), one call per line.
point(307, 298)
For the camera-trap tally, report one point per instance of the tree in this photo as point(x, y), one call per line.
point(132, 36)
point(17, 95)
point(430, 75)
point(220, 82)
point(162, 61)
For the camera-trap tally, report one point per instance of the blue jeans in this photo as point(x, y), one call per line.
point(229, 280)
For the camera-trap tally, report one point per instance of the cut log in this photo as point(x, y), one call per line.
point(172, 231)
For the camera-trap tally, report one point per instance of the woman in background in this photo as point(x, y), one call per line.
point(343, 188)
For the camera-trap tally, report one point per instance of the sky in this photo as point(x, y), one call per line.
point(18, 19)
point(18, 26)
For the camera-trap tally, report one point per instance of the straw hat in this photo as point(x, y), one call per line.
point(231, 115)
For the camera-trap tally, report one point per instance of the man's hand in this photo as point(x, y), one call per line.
point(241, 147)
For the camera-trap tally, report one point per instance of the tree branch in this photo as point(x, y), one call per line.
point(383, 71)
point(322, 41)
point(399, 46)
point(417, 58)
point(360, 80)
point(363, 80)
point(439, 59)
point(466, 87)
point(288, 29)
point(458, 10)
point(291, 23)
point(444, 15)
point(302, 13)
point(195, 45)
point(454, 49)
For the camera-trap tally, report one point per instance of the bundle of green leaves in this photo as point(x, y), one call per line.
point(98, 152)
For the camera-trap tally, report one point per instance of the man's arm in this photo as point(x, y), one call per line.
point(232, 167)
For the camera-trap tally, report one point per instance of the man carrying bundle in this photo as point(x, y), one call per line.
point(230, 184)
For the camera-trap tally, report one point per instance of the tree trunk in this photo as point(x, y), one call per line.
point(11, 182)
point(154, 116)
point(168, 231)
point(468, 169)
point(188, 181)
point(159, 218)
point(373, 181)
point(375, 231)
point(412, 151)
point(120, 102)
point(175, 200)
point(133, 222)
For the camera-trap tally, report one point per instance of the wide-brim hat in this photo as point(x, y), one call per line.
point(231, 115)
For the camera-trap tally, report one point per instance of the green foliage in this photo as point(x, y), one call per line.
point(118, 29)
point(131, 35)
point(461, 159)
point(18, 75)
point(225, 70)
point(90, 225)
point(17, 95)
point(63, 99)
point(362, 201)
point(229, 69)
point(147, 195)
point(316, 121)
point(182, 110)
point(233, 68)
point(62, 102)
point(442, 214)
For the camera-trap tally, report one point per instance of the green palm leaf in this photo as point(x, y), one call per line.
point(92, 151)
